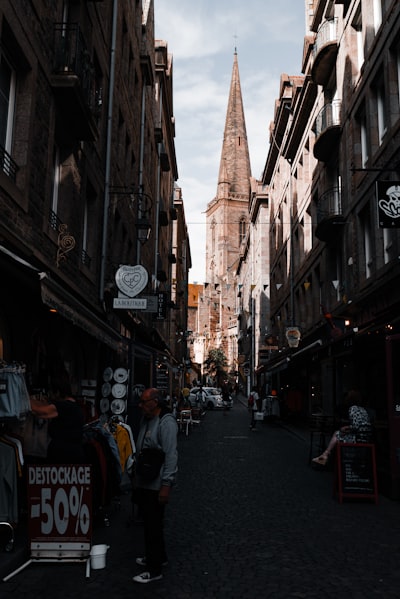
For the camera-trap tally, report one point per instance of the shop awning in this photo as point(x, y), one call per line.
point(18, 259)
point(309, 347)
point(278, 366)
point(69, 307)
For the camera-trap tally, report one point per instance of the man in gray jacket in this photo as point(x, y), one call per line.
point(158, 430)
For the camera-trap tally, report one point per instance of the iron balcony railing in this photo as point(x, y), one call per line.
point(86, 259)
point(327, 33)
point(8, 165)
point(328, 116)
point(329, 204)
point(73, 58)
point(54, 220)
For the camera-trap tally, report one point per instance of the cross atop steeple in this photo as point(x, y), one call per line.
point(235, 37)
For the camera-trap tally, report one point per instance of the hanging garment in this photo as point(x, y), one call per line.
point(34, 432)
point(14, 396)
point(8, 483)
point(124, 444)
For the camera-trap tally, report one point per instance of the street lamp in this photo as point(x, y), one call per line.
point(143, 228)
point(143, 204)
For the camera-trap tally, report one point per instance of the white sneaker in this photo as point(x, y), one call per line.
point(146, 577)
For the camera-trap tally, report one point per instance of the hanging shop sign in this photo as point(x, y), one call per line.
point(131, 280)
point(388, 203)
point(162, 377)
point(293, 336)
point(60, 510)
point(162, 305)
point(129, 303)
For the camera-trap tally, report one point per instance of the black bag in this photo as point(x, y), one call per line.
point(149, 462)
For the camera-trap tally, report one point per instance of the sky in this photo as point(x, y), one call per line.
point(202, 36)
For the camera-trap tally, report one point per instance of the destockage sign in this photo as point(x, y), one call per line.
point(59, 504)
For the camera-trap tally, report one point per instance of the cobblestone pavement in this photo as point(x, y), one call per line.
point(248, 519)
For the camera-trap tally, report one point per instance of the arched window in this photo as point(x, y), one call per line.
point(213, 223)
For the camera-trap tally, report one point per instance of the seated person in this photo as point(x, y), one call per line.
point(358, 420)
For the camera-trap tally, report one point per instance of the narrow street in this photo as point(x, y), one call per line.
point(249, 518)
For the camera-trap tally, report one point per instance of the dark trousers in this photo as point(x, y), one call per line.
point(152, 513)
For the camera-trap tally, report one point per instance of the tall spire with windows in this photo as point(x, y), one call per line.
point(234, 171)
point(227, 216)
point(226, 213)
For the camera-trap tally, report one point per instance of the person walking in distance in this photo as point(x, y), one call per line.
point(157, 442)
point(253, 406)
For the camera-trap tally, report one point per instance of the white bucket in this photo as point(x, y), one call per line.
point(98, 556)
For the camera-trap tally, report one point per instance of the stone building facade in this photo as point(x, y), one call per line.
point(87, 184)
point(332, 173)
point(316, 279)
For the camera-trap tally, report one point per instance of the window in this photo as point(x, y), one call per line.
point(377, 14)
point(242, 230)
point(357, 26)
point(365, 224)
point(89, 228)
point(7, 108)
point(381, 109)
point(213, 225)
point(57, 167)
point(363, 137)
point(364, 141)
point(398, 71)
point(388, 246)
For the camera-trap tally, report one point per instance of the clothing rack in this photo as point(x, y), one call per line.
point(14, 405)
point(10, 543)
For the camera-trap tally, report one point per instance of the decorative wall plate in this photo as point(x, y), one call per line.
point(104, 405)
point(118, 390)
point(117, 406)
point(105, 389)
point(107, 374)
point(120, 375)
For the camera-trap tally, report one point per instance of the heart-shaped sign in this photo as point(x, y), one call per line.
point(131, 280)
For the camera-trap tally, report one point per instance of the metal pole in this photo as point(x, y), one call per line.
point(108, 152)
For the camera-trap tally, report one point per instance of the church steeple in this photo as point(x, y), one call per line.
point(234, 170)
point(226, 219)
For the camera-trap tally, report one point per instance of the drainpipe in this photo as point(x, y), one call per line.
point(108, 152)
point(141, 161)
point(157, 204)
point(291, 260)
point(252, 311)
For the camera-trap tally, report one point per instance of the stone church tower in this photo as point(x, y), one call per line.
point(227, 220)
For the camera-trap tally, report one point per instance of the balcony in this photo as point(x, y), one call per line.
point(324, 52)
point(8, 165)
point(327, 129)
point(329, 215)
point(73, 82)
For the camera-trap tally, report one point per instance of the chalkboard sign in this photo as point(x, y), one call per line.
point(356, 471)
